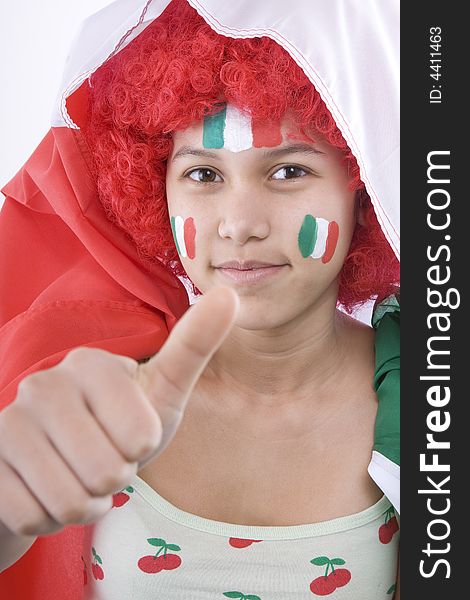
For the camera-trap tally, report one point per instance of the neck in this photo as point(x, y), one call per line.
point(277, 365)
point(287, 383)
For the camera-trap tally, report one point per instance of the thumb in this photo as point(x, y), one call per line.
point(170, 376)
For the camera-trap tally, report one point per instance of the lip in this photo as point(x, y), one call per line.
point(246, 265)
point(249, 272)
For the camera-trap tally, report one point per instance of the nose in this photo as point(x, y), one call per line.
point(244, 219)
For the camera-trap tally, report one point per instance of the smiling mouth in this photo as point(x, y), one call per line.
point(247, 265)
point(248, 272)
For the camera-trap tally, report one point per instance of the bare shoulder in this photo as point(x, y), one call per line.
point(358, 343)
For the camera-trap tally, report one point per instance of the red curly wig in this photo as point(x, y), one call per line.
point(172, 75)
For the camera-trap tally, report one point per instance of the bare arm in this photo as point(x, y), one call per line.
point(61, 462)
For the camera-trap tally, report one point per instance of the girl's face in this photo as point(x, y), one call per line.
point(263, 209)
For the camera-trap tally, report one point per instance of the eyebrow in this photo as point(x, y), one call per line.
point(292, 149)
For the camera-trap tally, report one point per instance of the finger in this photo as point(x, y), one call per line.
point(45, 473)
point(120, 406)
point(20, 512)
point(168, 378)
point(87, 449)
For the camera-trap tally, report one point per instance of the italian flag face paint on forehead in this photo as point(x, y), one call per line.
point(318, 238)
point(235, 130)
point(184, 234)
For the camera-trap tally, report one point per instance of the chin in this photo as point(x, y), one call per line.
point(260, 318)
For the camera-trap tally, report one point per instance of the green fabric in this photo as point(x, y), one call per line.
point(390, 304)
point(386, 321)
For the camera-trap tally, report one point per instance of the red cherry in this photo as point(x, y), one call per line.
point(340, 577)
point(119, 499)
point(322, 586)
point(170, 561)
point(97, 571)
point(393, 525)
point(385, 534)
point(241, 543)
point(150, 564)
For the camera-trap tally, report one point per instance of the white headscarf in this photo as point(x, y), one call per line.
point(349, 49)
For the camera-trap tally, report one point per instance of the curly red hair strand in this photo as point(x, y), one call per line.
point(177, 71)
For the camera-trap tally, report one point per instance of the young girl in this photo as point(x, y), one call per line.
point(249, 451)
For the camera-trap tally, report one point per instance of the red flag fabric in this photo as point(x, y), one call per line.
point(68, 278)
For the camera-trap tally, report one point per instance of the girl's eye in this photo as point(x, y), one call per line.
point(290, 172)
point(204, 175)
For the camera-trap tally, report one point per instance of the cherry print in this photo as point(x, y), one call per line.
point(326, 584)
point(152, 564)
point(241, 543)
point(121, 498)
point(322, 586)
point(171, 561)
point(389, 528)
point(385, 534)
point(149, 564)
point(340, 577)
point(393, 525)
point(97, 571)
point(160, 562)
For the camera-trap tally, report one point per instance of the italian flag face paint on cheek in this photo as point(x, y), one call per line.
point(235, 130)
point(318, 238)
point(184, 234)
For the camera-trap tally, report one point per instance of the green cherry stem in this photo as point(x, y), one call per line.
point(329, 564)
point(162, 548)
point(388, 515)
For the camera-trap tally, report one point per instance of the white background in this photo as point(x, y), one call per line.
point(35, 38)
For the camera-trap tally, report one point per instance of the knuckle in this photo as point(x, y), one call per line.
point(125, 474)
point(103, 484)
point(69, 512)
point(83, 355)
point(50, 527)
point(25, 529)
point(27, 524)
point(29, 384)
point(171, 381)
point(79, 357)
point(97, 508)
point(193, 348)
point(42, 526)
point(79, 353)
point(36, 389)
point(144, 445)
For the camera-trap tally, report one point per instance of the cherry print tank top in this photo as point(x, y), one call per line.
point(145, 548)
